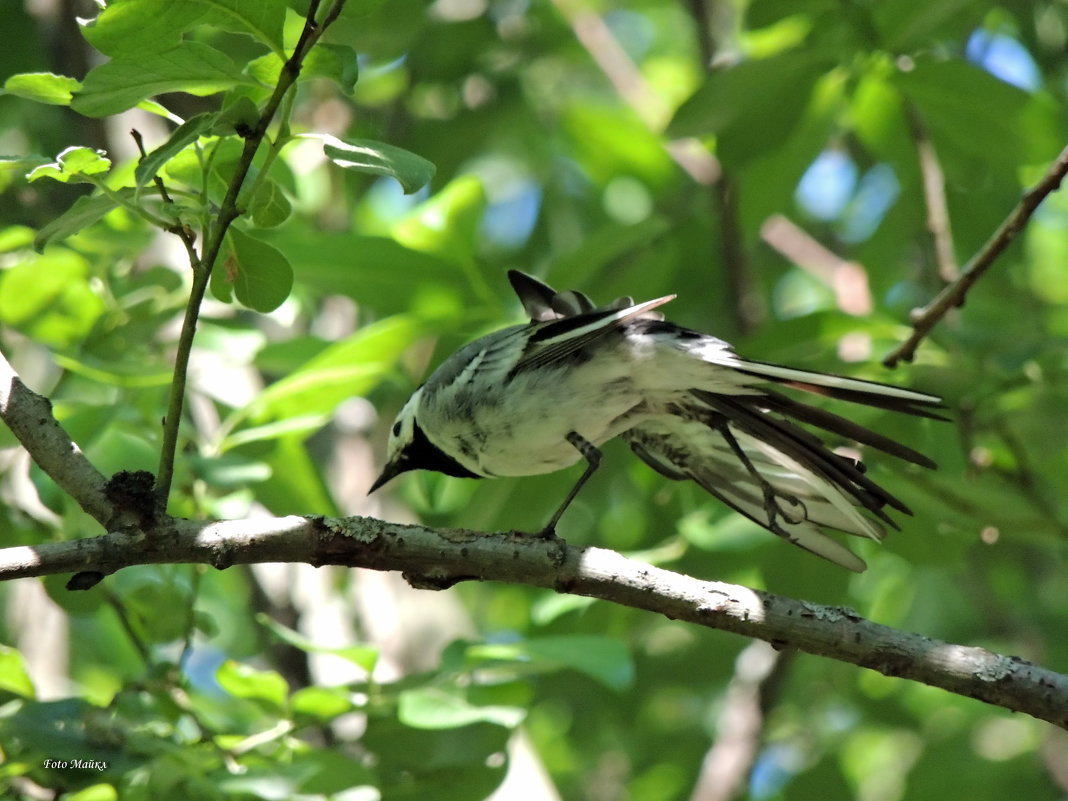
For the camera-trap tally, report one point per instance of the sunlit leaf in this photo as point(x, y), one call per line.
point(13, 675)
point(44, 87)
point(364, 656)
point(73, 164)
point(244, 681)
point(436, 708)
point(365, 155)
point(446, 225)
point(345, 369)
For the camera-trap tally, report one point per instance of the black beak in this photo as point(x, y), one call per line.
point(389, 472)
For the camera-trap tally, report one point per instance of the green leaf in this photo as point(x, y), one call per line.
point(146, 602)
point(44, 87)
point(264, 19)
point(228, 471)
point(243, 681)
point(296, 483)
point(85, 211)
point(304, 424)
point(238, 114)
point(95, 792)
point(446, 224)
point(336, 62)
point(260, 275)
point(348, 368)
point(137, 27)
point(13, 675)
point(322, 703)
point(905, 25)
point(182, 136)
point(755, 104)
point(366, 155)
point(270, 206)
point(72, 165)
point(22, 164)
point(967, 109)
point(363, 656)
point(335, 774)
point(377, 272)
point(50, 297)
point(15, 237)
point(436, 708)
point(602, 658)
point(191, 67)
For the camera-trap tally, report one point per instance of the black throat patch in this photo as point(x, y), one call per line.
point(422, 454)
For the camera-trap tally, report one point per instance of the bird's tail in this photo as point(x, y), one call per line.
point(748, 451)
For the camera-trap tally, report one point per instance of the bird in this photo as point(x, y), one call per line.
point(541, 396)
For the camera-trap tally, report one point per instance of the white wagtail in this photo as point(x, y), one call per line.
point(536, 398)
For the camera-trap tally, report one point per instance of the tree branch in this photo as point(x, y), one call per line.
point(29, 416)
point(924, 319)
point(438, 559)
point(934, 196)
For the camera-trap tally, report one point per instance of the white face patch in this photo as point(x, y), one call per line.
point(401, 432)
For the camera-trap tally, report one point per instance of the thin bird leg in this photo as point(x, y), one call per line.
point(593, 461)
point(771, 496)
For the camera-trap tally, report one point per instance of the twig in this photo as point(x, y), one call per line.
point(924, 319)
point(438, 559)
point(740, 725)
point(183, 232)
point(596, 37)
point(745, 304)
point(848, 279)
point(228, 212)
point(934, 196)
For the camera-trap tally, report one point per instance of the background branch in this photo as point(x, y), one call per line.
point(934, 197)
point(924, 319)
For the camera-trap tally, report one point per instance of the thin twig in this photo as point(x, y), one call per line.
point(934, 197)
point(596, 37)
point(745, 304)
point(183, 232)
point(848, 279)
point(228, 212)
point(739, 725)
point(924, 319)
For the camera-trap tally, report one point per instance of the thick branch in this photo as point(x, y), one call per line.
point(29, 416)
point(924, 319)
point(433, 559)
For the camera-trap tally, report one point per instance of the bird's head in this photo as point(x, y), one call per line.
point(410, 448)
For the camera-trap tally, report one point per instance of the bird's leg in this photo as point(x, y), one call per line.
point(593, 460)
point(771, 497)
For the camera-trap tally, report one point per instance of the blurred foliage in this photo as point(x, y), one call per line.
point(337, 291)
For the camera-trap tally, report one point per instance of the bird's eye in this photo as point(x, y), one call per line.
point(396, 429)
